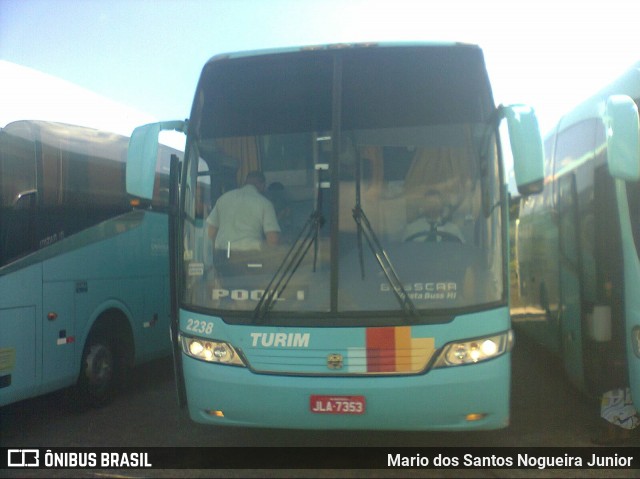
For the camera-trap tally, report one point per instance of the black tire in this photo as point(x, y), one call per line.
point(99, 372)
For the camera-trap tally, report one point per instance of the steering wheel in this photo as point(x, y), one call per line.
point(435, 236)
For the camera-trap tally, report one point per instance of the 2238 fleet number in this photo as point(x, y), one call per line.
point(199, 326)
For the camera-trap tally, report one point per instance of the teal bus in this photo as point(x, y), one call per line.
point(577, 244)
point(385, 304)
point(83, 273)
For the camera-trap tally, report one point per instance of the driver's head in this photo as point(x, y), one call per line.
point(257, 179)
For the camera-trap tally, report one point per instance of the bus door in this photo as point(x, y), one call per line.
point(629, 213)
point(20, 371)
point(570, 310)
point(20, 286)
point(622, 157)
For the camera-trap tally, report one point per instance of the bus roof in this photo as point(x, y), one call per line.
point(593, 107)
point(62, 128)
point(335, 46)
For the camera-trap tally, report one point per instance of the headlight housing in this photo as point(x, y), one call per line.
point(474, 350)
point(210, 351)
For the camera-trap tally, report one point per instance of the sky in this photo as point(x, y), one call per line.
point(147, 55)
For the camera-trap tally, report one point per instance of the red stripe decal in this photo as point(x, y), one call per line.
point(381, 350)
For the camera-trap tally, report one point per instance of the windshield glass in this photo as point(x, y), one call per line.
point(379, 181)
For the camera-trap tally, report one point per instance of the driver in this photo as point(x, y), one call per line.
point(433, 222)
point(244, 219)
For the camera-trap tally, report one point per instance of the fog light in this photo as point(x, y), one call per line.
point(215, 413)
point(475, 416)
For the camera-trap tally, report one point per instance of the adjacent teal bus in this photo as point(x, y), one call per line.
point(577, 244)
point(83, 274)
point(385, 305)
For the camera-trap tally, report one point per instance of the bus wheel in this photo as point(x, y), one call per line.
point(98, 375)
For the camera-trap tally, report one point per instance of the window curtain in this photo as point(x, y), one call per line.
point(245, 150)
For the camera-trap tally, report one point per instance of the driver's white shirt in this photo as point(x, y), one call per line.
point(242, 217)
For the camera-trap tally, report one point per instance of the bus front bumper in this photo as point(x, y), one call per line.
point(470, 397)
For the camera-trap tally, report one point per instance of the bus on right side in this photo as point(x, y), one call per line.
point(577, 243)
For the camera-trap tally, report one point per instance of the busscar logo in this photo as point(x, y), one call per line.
point(23, 458)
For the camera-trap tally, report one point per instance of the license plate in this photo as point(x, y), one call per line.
point(336, 404)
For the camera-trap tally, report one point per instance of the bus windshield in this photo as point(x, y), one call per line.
point(382, 169)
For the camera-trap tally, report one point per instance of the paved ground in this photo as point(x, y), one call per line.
point(546, 411)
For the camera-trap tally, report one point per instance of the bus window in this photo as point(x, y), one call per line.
point(83, 180)
point(574, 145)
point(18, 194)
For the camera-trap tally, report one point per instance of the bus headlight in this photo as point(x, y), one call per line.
point(210, 351)
point(475, 350)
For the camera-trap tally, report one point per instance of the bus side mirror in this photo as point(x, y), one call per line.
point(526, 147)
point(623, 142)
point(142, 156)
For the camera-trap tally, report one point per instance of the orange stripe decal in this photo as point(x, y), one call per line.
point(403, 349)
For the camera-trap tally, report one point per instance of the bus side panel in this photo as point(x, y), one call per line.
point(128, 300)
point(58, 336)
point(125, 272)
point(156, 288)
point(20, 335)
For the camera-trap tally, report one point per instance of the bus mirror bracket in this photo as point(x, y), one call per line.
point(526, 147)
point(623, 139)
point(142, 157)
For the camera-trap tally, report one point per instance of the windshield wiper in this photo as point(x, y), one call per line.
point(364, 228)
point(308, 236)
